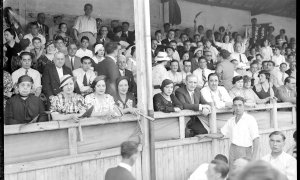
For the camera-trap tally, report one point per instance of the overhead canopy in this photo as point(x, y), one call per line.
point(286, 8)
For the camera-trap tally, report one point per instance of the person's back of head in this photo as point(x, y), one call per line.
point(221, 157)
point(110, 47)
point(224, 54)
point(220, 167)
point(260, 170)
point(129, 151)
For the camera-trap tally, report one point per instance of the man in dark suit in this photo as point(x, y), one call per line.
point(190, 97)
point(292, 70)
point(72, 61)
point(170, 37)
point(109, 68)
point(52, 75)
point(129, 153)
point(287, 92)
point(128, 36)
point(102, 36)
point(125, 72)
point(43, 28)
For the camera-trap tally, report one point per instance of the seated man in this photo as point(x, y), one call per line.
point(215, 94)
point(287, 92)
point(191, 98)
point(279, 159)
point(24, 107)
point(281, 74)
point(26, 60)
point(52, 75)
point(125, 72)
point(84, 76)
point(187, 66)
point(273, 73)
point(84, 51)
point(292, 70)
point(202, 72)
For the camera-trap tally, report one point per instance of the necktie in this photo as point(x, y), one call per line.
point(72, 63)
point(240, 57)
point(283, 77)
point(85, 80)
point(26, 72)
point(203, 77)
point(192, 97)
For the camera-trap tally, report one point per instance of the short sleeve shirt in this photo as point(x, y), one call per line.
point(243, 132)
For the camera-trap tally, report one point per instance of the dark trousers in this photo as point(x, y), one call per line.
point(194, 127)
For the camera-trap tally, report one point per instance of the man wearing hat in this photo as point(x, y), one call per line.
point(159, 72)
point(72, 61)
point(52, 75)
point(24, 107)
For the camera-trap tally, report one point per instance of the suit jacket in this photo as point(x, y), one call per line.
point(98, 40)
point(132, 84)
point(130, 38)
point(184, 97)
point(165, 42)
point(51, 81)
point(118, 173)
point(195, 64)
point(77, 62)
point(110, 69)
point(286, 96)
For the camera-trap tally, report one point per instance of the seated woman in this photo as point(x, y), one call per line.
point(63, 28)
point(46, 58)
point(67, 104)
point(99, 54)
point(247, 93)
point(125, 100)
point(103, 104)
point(166, 101)
point(24, 107)
point(264, 88)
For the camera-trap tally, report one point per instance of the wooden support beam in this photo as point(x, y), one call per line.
point(294, 115)
point(274, 119)
point(213, 129)
point(181, 127)
point(72, 132)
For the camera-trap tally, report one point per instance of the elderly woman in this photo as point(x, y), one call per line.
point(264, 88)
point(99, 54)
point(104, 104)
point(125, 100)
point(67, 104)
point(242, 87)
point(166, 101)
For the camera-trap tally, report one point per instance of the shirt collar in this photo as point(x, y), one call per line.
point(126, 166)
point(112, 58)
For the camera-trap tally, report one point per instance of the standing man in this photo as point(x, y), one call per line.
point(43, 28)
point(279, 159)
point(85, 25)
point(129, 153)
point(242, 130)
point(109, 67)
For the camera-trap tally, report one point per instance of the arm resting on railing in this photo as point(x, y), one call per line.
point(212, 135)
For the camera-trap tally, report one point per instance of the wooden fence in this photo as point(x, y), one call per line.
point(52, 150)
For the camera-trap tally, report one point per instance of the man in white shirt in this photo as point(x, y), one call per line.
point(34, 32)
point(200, 172)
point(215, 94)
point(277, 58)
point(187, 66)
point(83, 51)
point(85, 23)
point(202, 72)
point(213, 50)
point(242, 129)
point(26, 60)
point(85, 75)
point(279, 159)
point(281, 74)
point(238, 55)
point(129, 153)
point(253, 72)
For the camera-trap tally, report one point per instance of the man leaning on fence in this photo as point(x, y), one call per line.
point(242, 129)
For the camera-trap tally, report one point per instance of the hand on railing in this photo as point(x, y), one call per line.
point(177, 109)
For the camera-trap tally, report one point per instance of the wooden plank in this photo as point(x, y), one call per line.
point(274, 119)
point(182, 127)
point(294, 115)
point(72, 132)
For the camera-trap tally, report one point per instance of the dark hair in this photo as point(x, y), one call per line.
point(59, 26)
point(119, 79)
point(225, 36)
point(26, 53)
point(174, 61)
point(222, 27)
point(128, 148)
point(267, 74)
point(272, 62)
point(172, 41)
point(156, 32)
point(84, 58)
point(110, 47)
point(171, 30)
point(224, 54)
point(165, 83)
point(283, 30)
point(84, 38)
point(283, 64)
point(11, 31)
point(263, 41)
point(212, 74)
point(125, 23)
point(236, 79)
point(252, 19)
point(186, 41)
point(103, 26)
point(258, 55)
point(254, 62)
point(239, 98)
point(288, 79)
point(88, 4)
point(61, 38)
point(97, 79)
point(36, 38)
point(202, 57)
point(186, 61)
point(221, 167)
point(278, 133)
point(23, 77)
point(166, 24)
point(221, 157)
point(132, 50)
point(169, 47)
point(33, 24)
point(200, 26)
point(182, 35)
point(117, 29)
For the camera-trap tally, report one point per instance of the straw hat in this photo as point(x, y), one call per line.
point(198, 49)
point(162, 56)
point(97, 47)
point(65, 79)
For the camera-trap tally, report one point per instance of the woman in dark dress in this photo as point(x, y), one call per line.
point(125, 100)
point(264, 88)
point(166, 101)
point(11, 46)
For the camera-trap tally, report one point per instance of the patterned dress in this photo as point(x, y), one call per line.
point(104, 107)
point(130, 101)
point(67, 106)
point(8, 85)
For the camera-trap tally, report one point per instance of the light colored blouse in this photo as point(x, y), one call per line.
point(248, 94)
point(104, 106)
